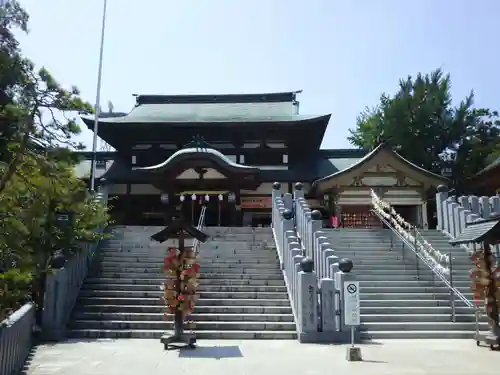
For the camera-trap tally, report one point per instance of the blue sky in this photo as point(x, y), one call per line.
point(343, 54)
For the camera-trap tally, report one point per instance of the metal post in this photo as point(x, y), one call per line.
point(452, 293)
point(219, 214)
point(192, 212)
point(178, 319)
point(98, 101)
point(416, 250)
point(352, 336)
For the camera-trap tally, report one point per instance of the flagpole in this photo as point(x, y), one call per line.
point(98, 102)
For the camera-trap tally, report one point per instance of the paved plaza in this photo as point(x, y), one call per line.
point(129, 356)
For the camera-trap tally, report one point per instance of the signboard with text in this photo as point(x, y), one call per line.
point(256, 202)
point(351, 303)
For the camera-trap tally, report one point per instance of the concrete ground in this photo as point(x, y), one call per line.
point(134, 357)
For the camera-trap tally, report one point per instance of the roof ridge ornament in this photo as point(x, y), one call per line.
point(382, 140)
point(198, 142)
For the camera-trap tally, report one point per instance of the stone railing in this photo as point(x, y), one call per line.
point(16, 339)
point(313, 273)
point(63, 286)
point(453, 214)
point(61, 291)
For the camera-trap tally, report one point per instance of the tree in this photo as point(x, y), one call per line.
point(37, 110)
point(424, 127)
point(36, 171)
point(29, 236)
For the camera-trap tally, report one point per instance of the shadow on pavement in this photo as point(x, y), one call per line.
point(214, 352)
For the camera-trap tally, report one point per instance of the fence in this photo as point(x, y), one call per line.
point(16, 339)
point(312, 271)
point(453, 214)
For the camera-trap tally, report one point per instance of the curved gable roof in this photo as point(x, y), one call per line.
point(200, 153)
point(383, 147)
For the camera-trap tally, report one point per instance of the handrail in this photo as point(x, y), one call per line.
point(201, 224)
point(443, 278)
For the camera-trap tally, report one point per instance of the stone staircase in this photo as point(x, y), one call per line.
point(242, 291)
point(397, 301)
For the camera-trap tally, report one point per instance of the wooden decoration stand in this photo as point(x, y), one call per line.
point(485, 276)
point(177, 230)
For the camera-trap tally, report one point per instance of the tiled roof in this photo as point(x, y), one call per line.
point(355, 164)
point(493, 165)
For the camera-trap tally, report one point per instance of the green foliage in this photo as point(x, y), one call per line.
point(423, 126)
point(36, 170)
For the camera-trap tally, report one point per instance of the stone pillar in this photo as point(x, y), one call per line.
point(495, 205)
point(308, 305)
point(316, 226)
point(441, 195)
point(474, 204)
point(425, 220)
point(452, 209)
point(485, 209)
point(288, 201)
point(328, 311)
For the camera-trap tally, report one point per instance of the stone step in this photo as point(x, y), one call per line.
point(216, 276)
point(416, 318)
point(205, 270)
point(201, 335)
point(409, 276)
point(422, 277)
point(212, 309)
point(411, 290)
point(390, 267)
point(201, 288)
point(200, 302)
point(203, 295)
point(268, 255)
point(195, 317)
point(212, 282)
point(200, 326)
point(202, 260)
point(428, 301)
point(225, 259)
point(416, 335)
point(419, 310)
point(213, 250)
point(420, 326)
point(405, 296)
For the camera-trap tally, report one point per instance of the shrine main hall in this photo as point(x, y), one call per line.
point(226, 151)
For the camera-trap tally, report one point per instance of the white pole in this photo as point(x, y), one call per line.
point(98, 101)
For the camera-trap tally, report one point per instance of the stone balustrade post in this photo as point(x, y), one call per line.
point(308, 306)
point(464, 202)
point(441, 195)
point(288, 231)
point(474, 204)
point(495, 205)
point(328, 310)
point(484, 203)
point(288, 201)
point(315, 227)
point(452, 208)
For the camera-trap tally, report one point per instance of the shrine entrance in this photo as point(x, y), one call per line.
point(220, 207)
point(198, 175)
